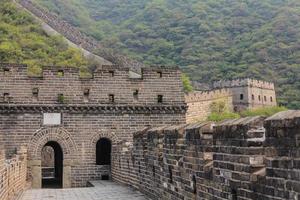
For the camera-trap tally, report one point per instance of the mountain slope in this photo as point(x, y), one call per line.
point(22, 40)
point(209, 39)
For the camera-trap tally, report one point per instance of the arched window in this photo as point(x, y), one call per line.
point(103, 152)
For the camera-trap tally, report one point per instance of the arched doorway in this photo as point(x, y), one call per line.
point(52, 165)
point(103, 152)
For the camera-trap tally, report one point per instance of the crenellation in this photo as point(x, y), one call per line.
point(67, 83)
point(207, 95)
point(141, 129)
point(235, 95)
point(243, 82)
point(249, 93)
point(248, 158)
point(200, 102)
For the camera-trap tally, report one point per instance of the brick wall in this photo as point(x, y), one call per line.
point(282, 177)
point(249, 158)
point(19, 88)
point(84, 121)
point(200, 102)
point(83, 130)
point(13, 174)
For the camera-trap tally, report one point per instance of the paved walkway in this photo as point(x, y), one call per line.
point(102, 190)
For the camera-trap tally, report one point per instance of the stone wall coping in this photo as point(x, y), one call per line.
point(285, 115)
point(289, 118)
point(248, 123)
point(140, 132)
point(175, 127)
point(242, 121)
point(206, 127)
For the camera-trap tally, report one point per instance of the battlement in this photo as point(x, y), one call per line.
point(247, 82)
point(108, 84)
point(197, 96)
point(14, 67)
point(247, 158)
point(200, 102)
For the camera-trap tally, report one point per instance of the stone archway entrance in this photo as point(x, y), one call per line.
point(64, 151)
point(104, 147)
point(52, 165)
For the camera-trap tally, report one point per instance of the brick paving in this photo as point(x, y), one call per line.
point(102, 190)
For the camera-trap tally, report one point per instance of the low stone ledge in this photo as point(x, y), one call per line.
point(290, 118)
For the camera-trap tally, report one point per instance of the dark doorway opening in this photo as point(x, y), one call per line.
point(52, 165)
point(103, 152)
point(105, 177)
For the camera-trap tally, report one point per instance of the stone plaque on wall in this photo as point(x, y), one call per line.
point(51, 118)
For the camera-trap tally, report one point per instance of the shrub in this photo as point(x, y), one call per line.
point(265, 111)
point(217, 117)
point(187, 86)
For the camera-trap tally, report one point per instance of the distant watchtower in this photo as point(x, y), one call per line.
point(249, 93)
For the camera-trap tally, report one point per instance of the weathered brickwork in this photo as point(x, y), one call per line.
point(282, 179)
point(249, 158)
point(82, 111)
point(200, 103)
point(17, 88)
point(13, 174)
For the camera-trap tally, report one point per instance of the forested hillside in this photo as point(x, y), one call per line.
point(22, 40)
point(209, 39)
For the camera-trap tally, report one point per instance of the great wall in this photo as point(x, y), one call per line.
point(78, 38)
point(248, 158)
point(143, 132)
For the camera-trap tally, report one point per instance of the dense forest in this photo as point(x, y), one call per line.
point(22, 40)
point(209, 39)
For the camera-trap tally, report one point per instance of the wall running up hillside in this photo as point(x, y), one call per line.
point(78, 38)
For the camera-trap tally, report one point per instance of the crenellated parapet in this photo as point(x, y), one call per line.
point(247, 158)
point(108, 85)
point(249, 93)
point(208, 95)
point(200, 102)
point(244, 83)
